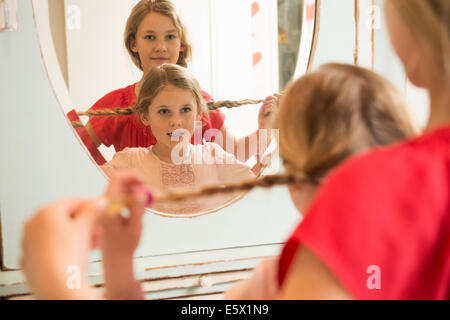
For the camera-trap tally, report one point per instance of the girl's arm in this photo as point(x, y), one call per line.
point(249, 152)
point(261, 137)
point(55, 246)
point(310, 279)
point(120, 282)
point(120, 238)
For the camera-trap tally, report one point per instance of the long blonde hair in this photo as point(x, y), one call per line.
point(335, 112)
point(429, 21)
point(165, 8)
point(160, 77)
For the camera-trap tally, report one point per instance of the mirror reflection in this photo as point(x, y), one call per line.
point(170, 104)
point(167, 118)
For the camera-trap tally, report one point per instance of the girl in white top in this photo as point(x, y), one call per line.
point(171, 103)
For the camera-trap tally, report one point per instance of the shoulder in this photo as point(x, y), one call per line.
point(422, 156)
point(130, 154)
point(388, 185)
point(123, 97)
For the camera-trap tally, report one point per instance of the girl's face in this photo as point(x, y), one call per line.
point(172, 109)
point(157, 41)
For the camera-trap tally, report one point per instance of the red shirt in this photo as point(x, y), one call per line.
point(129, 131)
point(388, 209)
point(86, 138)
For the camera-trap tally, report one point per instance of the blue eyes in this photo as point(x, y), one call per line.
point(166, 111)
point(169, 37)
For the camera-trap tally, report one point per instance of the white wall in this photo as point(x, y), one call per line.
point(97, 60)
point(236, 36)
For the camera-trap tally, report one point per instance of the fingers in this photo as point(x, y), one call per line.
point(270, 105)
point(270, 101)
point(88, 215)
point(55, 215)
point(56, 225)
point(122, 183)
point(137, 202)
point(62, 209)
point(127, 185)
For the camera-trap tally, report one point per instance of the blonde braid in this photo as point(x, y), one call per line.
point(247, 185)
point(77, 124)
point(213, 105)
point(108, 112)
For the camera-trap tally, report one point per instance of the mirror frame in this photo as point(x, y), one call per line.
point(308, 41)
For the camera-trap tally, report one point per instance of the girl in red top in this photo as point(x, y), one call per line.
point(325, 117)
point(379, 228)
point(154, 35)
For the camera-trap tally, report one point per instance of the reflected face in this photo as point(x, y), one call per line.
point(157, 41)
point(172, 109)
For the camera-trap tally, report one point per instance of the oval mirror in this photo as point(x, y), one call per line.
point(241, 50)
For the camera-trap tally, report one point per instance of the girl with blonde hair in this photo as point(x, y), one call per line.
point(378, 228)
point(170, 102)
point(154, 35)
point(325, 117)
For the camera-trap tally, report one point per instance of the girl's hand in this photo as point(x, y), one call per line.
point(55, 247)
point(120, 237)
point(268, 112)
